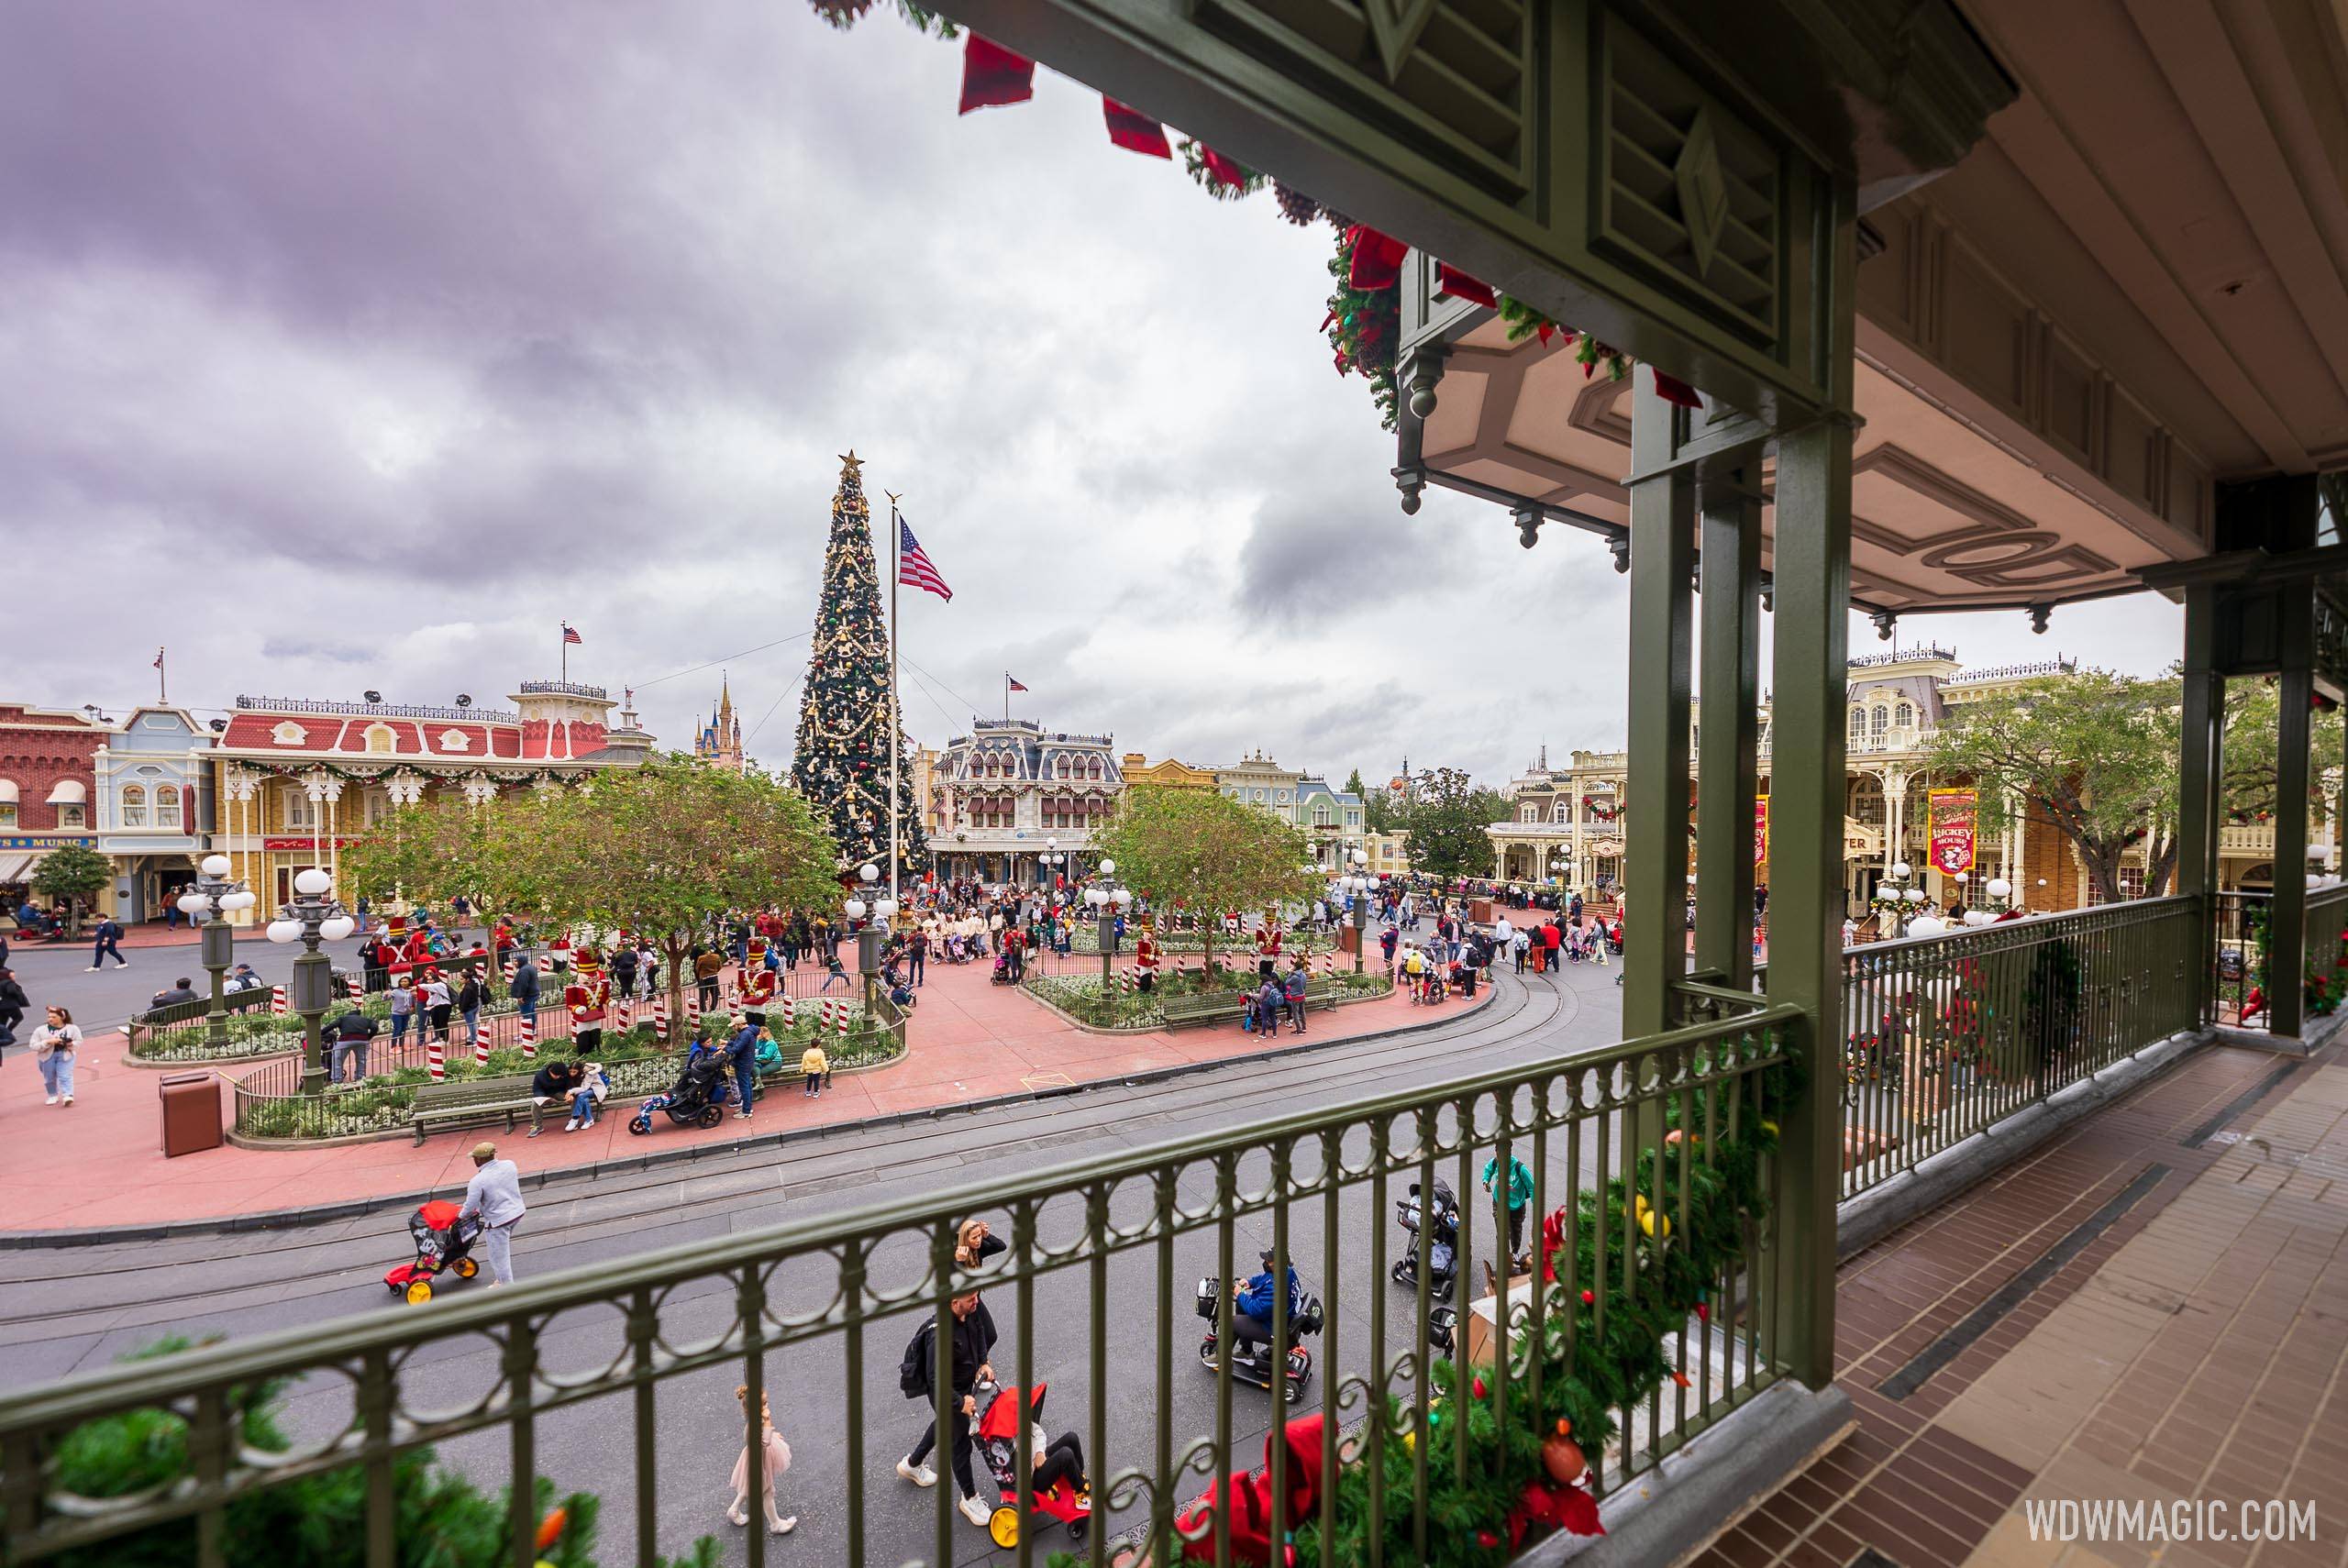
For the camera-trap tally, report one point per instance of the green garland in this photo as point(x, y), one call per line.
point(1364, 327)
point(1525, 322)
point(1194, 161)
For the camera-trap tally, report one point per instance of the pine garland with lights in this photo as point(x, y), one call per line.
point(840, 762)
point(1364, 327)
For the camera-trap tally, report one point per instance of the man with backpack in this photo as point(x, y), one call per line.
point(969, 1342)
point(350, 1035)
point(1294, 990)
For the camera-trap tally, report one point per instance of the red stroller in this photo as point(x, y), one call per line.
point(444, 1245)
point(1002, 1429)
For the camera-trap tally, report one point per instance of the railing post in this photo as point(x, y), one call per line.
point(1812, 571)
point(1655, 869)
point(2294, 739)
point(1727, 771)
point(2200, 769)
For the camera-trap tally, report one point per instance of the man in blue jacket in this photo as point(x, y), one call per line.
point(742, 1053)
point(1251, 1309)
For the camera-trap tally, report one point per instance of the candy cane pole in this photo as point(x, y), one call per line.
point(661, 1018)
point(529, 1036)
point(436, 1055)
point(277, 1005)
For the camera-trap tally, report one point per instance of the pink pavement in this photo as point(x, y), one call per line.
point(99, 1163)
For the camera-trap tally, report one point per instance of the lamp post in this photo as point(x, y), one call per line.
point(867, 931)
point(1108, 900)
point(214, 897)
point(1902, 897)
point(1050, 857)
point(1357, 885)
point(315, 915)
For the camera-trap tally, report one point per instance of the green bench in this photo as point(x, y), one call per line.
point(1213, 1007)
point(473, 1100)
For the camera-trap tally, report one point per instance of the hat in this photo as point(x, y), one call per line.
point(1267, 1256)
point(484, 1150)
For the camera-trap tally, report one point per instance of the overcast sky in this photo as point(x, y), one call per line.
point(354, 346)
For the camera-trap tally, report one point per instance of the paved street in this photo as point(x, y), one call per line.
point(120, 1297)
point(56, 973)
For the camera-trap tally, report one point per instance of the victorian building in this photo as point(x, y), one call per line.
point(1016, 793)
point(47, 774)
point(1332, 819)
point(1168, 774)
point(297, 779)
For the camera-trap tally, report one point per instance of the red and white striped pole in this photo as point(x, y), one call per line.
point(480, 1050)
point(529, 1037)
point(436, 1055)
point(277, 1005)
point(840, 1019)
point(661, 1018)
point(786, 1013)
point(692, 1012)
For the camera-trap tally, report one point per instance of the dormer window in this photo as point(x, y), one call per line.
point(453, 740)
point(286, 733)
point(380, 739)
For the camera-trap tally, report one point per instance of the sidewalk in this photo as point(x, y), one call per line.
point(2149, 1310)
point(99, 1163)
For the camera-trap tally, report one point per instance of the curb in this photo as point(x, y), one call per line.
point(359, 1207)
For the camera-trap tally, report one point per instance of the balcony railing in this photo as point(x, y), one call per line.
point(816, 1310)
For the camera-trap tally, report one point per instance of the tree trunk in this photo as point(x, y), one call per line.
point(2103, 870)
point(675, 952)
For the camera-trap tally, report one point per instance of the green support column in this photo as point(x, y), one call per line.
point(2294, 740)
point(1654, 868)
point(1812, 573)
point(1726, 746)
point(2200, 776)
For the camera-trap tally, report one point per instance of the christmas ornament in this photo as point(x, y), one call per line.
point(1295, 205)
point(1562, 1457)
point(551, 1527)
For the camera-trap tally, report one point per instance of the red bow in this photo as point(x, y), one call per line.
point(1377, 258)
point(1133, 130)
point(992, 75)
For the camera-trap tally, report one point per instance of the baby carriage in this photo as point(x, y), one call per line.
point(1002, 976)
point(1002, 1429)
point(699, 1099)
point(444, 1245)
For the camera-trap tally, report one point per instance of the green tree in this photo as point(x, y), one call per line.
point(1206, 852)
point(1446, 816)
point(75, 873)
point(840, 761)
point(2254, 713)
point(2092, 752)
point(662, 850)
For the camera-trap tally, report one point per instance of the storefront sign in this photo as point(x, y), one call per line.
point(1951, 814)
point(306, 843)
point(1760, 829)
point(50, 842)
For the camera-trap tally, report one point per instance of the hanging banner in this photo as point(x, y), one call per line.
point(1760, 829)
point(1951, 816)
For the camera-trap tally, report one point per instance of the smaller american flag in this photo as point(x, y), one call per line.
point(914, 568)
point(570, 637)
point(1015, 684)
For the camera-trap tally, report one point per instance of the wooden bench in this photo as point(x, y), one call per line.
point(472, 1100)
point(1213, 1007)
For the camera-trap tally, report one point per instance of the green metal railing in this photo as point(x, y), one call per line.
point(817, 1308)
point(2325, 947)
point(1945, 1034)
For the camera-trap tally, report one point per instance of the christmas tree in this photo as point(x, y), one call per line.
point(841, 761)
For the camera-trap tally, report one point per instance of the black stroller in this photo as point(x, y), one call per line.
point(699, 1099)
point(1440, 1237)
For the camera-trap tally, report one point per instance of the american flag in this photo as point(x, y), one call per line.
point(1014, 684)
point(570, 637)
point(913, 569)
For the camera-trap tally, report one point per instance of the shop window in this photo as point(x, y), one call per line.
point(297, 809)
point(134, 806)
point(73, 816)
point(167, 806)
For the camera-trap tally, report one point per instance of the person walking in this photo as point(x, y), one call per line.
point(1293, 988)
point(917, 955)
point(774, 1458)
point(403, 999)
point(1552, 939)
point(109, 940)
point(624, 972)
point(13, 1003)
point(436, 1002)
point(969, 1342)
point(525, 991)
point(1520, 1197)
point(707, 964)
point(494, 1198)
point(54, 1043)
point(814, 1068)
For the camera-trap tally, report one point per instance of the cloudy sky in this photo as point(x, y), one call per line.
point(355, 347)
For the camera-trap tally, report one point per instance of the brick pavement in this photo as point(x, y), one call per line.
point(2154, 1306)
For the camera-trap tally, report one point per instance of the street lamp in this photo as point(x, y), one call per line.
point(313, 915)
point(1049, 858)
point(209, 903)
point(1900, 896)
point(1358, 884)
point(1108, 900)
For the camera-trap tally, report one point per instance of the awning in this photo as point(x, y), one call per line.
point(16, 868)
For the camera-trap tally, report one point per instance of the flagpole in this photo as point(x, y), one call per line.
point(566, 653)
point(162, 680)
point(896, 726)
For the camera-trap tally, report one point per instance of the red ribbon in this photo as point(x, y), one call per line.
point(1133, 130)
point(1377, 258)
point(1451, 280)
point(1672, 390)
point(1222, 170)
point(992, 75)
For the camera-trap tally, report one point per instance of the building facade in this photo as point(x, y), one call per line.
point(1166, 775)
point(1014, 791)
point(151, 809)
point(1567, 821)
point(296, 781)
point(47, 775)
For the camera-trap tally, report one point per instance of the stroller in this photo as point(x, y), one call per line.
point(1002, 1429)
point(444, 1245)
point(1002, 976)
point(1441, 1235)
point(699, 1099)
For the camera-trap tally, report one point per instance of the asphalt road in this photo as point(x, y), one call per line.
point(59, 975)
point(72, 1309)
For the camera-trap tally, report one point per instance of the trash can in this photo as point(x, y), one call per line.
point(190, 1114)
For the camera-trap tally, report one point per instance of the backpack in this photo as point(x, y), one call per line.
point(913, 1372)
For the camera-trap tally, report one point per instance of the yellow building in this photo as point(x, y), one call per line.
point(1166, 774)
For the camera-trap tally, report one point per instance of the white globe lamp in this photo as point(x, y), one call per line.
point(1899, 870)
point(1999, 887)
point(191, 904)
point(284, 931)
point(868, 874)
point(312, 880)
point(239, 899)
point(885, 910)
point(1124, 898)
point(215, 866)
point(336, 927)
point(1927, 926)
point(856, 908)
point(1108, 868)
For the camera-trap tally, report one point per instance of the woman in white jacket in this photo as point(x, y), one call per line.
point(53, 1046)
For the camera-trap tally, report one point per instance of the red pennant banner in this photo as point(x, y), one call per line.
point(1133, 130)
point(1451, 280)
point(1221, 170)
point(1671, 389)
point(1377, 258)
point(992, 75)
